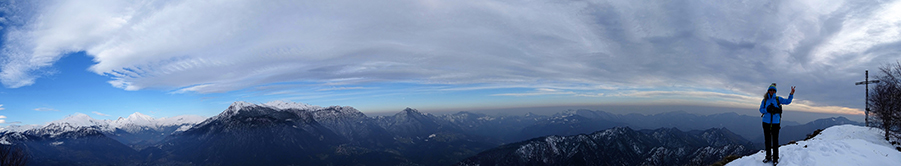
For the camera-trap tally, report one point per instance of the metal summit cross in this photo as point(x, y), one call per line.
point(867, 83)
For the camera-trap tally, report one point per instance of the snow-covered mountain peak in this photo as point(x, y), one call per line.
point(276, 105)
point(337, 111)
point(135, 122)
point(613, 131)
point(74, 122)
point(410, 111)
point(139, 115)
point(19, 128)
point(137, 118)
point(282, 105)
point(80, 119)
point(238, 105)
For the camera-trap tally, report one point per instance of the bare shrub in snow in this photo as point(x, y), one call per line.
point(885, 100)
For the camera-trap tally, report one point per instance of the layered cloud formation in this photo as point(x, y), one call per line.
point(731, 48)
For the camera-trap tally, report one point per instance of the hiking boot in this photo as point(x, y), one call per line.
point(775, 160)
point(767, 159)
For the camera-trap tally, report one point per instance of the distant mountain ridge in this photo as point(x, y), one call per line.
point(133, 123)
point(333, 135)
point(271, 135)
point(619, 146)
point(744, 125)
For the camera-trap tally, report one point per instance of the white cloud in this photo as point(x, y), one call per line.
point(2, 119)
point(538, 92)
point(859, 34)
point(343, 88)
point(222, 46)
point(98, 113)
point(45, 109)
point(1, 107)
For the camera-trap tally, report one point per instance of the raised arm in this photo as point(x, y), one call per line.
point(790, 97)
point(787, 101)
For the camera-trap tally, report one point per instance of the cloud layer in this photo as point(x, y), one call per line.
point(98, 113)
point(211, 47)
point(45, 109)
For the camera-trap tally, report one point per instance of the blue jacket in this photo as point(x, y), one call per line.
point(771, 100)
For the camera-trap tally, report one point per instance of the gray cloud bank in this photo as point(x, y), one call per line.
point(209, 47)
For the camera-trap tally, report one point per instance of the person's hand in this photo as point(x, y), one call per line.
point(793, 90)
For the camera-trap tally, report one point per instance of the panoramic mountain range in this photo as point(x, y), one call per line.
point(619, 146)
point(284, 133)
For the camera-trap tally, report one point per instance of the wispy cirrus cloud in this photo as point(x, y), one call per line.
point(259, 42)
point(736, 100)
point(537, 92)
point(344, 88)
point(223, 46)
point(548, 91)
point(45, 109)
point(98, 113)
point(2, 118)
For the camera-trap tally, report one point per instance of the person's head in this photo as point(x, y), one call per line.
point(772, 89)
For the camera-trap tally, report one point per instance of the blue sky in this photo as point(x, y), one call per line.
point(166, 58)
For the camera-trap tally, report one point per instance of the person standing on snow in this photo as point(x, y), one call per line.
point(771, 108)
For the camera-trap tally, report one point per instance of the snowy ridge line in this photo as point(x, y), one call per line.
point(278, 105)
point(133, 123)
point(138, 121)
point(836, 145)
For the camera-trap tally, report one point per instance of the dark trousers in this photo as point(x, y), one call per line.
point(771, 138)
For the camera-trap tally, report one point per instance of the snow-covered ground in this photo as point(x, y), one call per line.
point(837, 145)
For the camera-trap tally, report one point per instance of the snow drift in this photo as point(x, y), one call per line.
point(837, 145)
